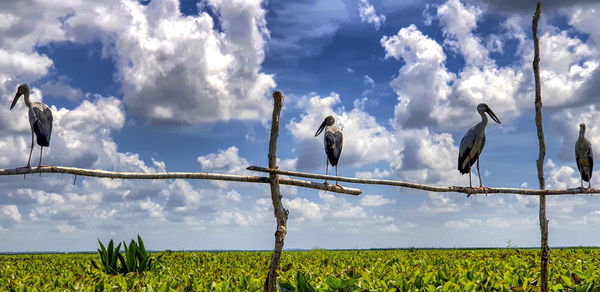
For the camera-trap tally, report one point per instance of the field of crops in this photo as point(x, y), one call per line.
point(317, 270)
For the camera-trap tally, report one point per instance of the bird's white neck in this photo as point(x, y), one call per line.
point(26, 99)
point(484, 118)
point(581, 133)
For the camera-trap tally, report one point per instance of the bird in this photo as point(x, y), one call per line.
point(472, 143)
point(40, 120)
point(584, 156)
point(334, 140)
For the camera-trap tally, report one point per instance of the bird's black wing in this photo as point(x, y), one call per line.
point(334, 141)
point(590, 157)
point(42, 126)
point(466, 145)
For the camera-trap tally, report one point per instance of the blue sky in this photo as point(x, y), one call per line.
point(169, 86)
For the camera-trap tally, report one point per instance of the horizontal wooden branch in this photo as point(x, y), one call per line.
point(177, 175)
point(431, 188)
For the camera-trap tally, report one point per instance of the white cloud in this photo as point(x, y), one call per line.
point(350, 212)
point(172, 68)
point(439, 203)
point(427, 157)
point(61, 88)
point(561, 176)
point(390, 228)
point(458, 20)
point(234, 218)
point(369, 15)
point(375, 201)
point(10, 213)
point(153, 209)
point(66, 228)
point(224, 161)
point(376, 173)
point(429, 94)
point(304, 210)
point(490, 223)
point(423, 83)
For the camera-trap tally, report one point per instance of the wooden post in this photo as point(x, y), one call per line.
point(281, 214)
point(545, 249)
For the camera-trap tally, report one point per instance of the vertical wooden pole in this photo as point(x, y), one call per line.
point(545, 249)
point(281, 214)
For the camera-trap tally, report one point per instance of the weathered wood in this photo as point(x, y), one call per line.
point(175, 175)
point(545, 249)
point(281, 214)
point(431, 188)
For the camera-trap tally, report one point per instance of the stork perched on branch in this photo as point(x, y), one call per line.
point(472, 143)
point(334, 140)
point(40, 120)
point(584, 156)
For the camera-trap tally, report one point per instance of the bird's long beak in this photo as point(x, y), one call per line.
point(493, 116)
point(15, 100)
point(321, 128)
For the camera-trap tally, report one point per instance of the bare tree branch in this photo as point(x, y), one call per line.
point(176, 175)
point(431, 188)
point(281, 214)
point(545, 254)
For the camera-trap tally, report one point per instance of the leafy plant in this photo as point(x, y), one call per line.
point(136, 258)
point(108, 258)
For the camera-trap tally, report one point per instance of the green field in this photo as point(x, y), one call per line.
point(356, 270)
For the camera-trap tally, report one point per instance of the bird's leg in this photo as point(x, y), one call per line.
point(480, 182)
point(30, 152)
point(470, 185)
point(40, 164)
point(326, 168)
point(336, 182)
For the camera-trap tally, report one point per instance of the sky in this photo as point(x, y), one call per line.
point(155, 86)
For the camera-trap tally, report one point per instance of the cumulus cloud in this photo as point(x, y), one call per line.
point(490, 223)
point(304, 210)
point(438, 204)
point(10, 215)
point(172, 68)
point(224, 161)
point(375, 201)
point(390, 228)
point(60, 88)
point(369, 15)
point(423, 83)
point(180, 69)
point(376, 173)
point(429, 94)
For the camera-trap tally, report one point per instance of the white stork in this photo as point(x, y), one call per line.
point(472, 143)
point(333, 141)
point(40, 120)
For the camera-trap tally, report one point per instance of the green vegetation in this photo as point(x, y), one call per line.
point(136, 258)
point(319, 270)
